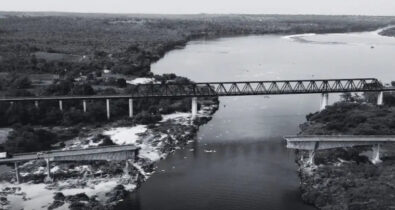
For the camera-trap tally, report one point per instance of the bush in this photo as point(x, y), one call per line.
point(145, 118)
point(21, 83)
point(107, 142)
point(121, 83)
point(26, 139)
point(84, 89)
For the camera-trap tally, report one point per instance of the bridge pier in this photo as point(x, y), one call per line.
point(324, 101)
point(376, 154)
point(108, 108)
point(310, 160)
point(380, 98)
point(48, 178)
point(84, 105)
point(61, 105)
point(126, 169)
point(17, 174)
point(130, 107)
point(194, 107)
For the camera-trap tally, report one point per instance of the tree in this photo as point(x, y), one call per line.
point(121, 83)
point(26, 139)
point(21, 83)
point(84, 89)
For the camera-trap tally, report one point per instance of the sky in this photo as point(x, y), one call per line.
point(330, 7)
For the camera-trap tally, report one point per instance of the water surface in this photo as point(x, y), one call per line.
point(250, 168)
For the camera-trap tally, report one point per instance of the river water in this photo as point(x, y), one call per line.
point(239, 160)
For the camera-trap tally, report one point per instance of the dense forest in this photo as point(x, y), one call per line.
point(75, 44)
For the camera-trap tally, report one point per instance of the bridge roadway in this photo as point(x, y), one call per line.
point(97, 153)
point(215, 89)
point(321, 142)
point(207, 89)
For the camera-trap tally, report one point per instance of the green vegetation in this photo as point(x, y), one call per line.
point(354, 115)
point(26, 139)
point(75, 44)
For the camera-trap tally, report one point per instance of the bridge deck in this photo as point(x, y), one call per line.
point(335, 141)
point(65, 154)
point(240, 88)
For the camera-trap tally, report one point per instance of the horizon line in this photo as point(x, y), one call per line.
point(192, 14)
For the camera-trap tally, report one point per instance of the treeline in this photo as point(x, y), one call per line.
point(354, 116)
point(27, 139)
point(128, 45)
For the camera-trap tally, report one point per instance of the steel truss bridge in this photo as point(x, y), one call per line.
point(208, 89)
point(216, 89)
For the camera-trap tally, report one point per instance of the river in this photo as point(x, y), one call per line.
point(239, 160)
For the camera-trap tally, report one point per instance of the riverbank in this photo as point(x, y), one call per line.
point(129, 44)
point(346, 178)
point(388, 32)
point(98, 184)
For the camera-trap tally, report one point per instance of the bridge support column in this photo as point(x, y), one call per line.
point(376, 154)
point(61, 105)
point(324, 101)
point(17, 174)
point(310, 161)
point(84, 105)
point(194, 107)
point(380, 98)
point(108, 108)
point(126, 169)
point(130, 107)
point(48, 178)
point(312, 154)
point(36, 104)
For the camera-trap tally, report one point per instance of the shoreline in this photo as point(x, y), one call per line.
point(86, 180)
point(347, 178)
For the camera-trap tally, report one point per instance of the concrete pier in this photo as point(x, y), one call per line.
point(48, 178)
point(380, 98)
point(324, 101)
point(84, 105)
point(108, 108)
point(376, 154)
point(61, 105)
point(194, 107)
point(17, 174)
point(130, 107)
